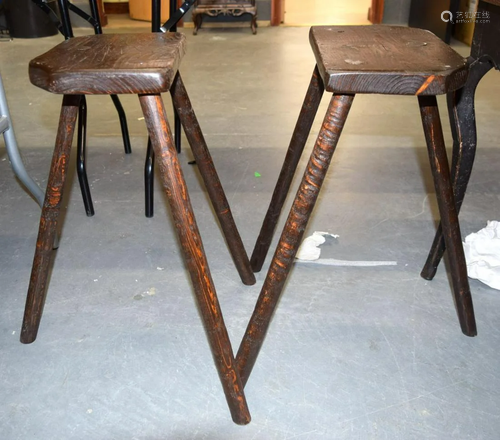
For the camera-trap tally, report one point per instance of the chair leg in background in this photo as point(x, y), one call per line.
point(149, 174)
point(13, 150)
point(177, 131)
point(123, 124)
point(194, 255)
point(293, 232)
point(297, 143)
point(81, 158)
point(448, 212)
point(49, 218)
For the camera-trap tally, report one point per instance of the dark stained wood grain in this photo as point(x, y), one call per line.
point(386, 59)
point(448, 212)
point(182, 105)
point(48, 220)
point(141, 64)
point(293, 232)
point(194, 255)
point(485, 55)
point(110, 64)
point(463, 126)
point(295, 149)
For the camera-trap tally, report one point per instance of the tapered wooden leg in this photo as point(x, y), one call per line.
point(463, 126)
point(209, 174)
point(292, 233)
point(194, 255)
point(448, 212)
point(48, 220)
point(297, 143)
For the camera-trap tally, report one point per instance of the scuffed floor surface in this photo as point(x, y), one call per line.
point(352, 353)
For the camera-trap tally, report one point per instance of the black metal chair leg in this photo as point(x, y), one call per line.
point(463, 125)
point(149, 172)
point(81, 168)
point(177, 131)
point(66, 27)
point(123, 124)
point(94, 10)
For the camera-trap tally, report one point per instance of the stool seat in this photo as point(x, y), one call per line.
point(110, 64)
point(384, 59)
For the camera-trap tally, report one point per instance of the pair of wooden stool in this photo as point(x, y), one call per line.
point(350, 60)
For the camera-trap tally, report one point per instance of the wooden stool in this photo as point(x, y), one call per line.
point(360, 59)
point(146, 65)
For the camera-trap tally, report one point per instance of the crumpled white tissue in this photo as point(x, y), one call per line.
point(309, 249)
point(482, 254)
point(309, 252)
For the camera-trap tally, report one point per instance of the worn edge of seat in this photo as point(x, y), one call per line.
point(430, 84)
point(94, 83)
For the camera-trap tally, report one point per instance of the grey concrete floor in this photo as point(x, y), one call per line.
point(352, 353)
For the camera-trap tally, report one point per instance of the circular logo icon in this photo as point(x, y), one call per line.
point(447, 19)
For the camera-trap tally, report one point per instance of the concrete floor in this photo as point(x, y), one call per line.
point(352, 353)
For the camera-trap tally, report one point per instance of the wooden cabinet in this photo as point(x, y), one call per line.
point(213, 8)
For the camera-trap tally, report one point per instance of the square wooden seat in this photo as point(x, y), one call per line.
point(147, 65)
point(108, 64)
point(350, 60)
point(391, 60)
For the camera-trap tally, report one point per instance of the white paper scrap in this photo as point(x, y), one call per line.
point(482, 254)
point(309, 249)
point(309, 252)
